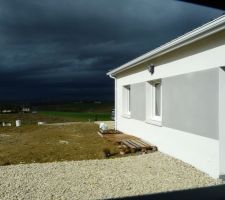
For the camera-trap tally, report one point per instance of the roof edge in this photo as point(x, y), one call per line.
point(205, 30)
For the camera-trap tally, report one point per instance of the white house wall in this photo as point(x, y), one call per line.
point(199, 151)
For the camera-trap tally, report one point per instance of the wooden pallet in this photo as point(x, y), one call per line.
point(116, 138)
point(128, 143)
point(109, 131)
point(135, 145)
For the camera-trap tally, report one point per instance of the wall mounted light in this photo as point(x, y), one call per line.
point(151, 68)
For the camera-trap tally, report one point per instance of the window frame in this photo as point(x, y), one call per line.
point(126, 101)
point(151, 117)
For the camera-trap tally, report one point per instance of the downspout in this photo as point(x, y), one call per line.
point(115, 99)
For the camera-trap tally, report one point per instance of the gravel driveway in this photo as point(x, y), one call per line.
point(97, 179)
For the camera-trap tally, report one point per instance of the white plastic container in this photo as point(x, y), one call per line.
point(18, 123)
point(103, 127)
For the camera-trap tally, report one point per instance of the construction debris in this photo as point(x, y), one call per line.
point(127, 143)
point(135, 145)
point(41, 123)
point(6, 124)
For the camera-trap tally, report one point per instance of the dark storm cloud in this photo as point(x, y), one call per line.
point(55, 49)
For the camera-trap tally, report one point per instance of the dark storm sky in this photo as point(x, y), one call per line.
point(62, 49)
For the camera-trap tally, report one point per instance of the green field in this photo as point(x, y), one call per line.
point(79, 116)
point(77, 107)
point(78, 111)
point(57, 113)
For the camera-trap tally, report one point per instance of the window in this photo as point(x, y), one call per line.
point(126, 100)
point(157, 99)
point(154, 102)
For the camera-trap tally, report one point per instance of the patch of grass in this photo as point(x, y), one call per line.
point(29, 118)
point(79, 116)
point(54, 117)
point(32, 143)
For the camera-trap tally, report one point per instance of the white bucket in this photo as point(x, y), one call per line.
point(18, 123)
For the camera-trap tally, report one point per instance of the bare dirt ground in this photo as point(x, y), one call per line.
point(32, 143)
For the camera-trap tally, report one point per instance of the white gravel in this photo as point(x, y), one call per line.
point(100, 179)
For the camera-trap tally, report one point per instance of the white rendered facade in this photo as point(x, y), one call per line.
point(203, 152)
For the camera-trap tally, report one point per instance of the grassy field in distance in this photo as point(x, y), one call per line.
point(104, 107)
point(30, 118)
point(78, 111)
point(79, 116)
point(57, 113)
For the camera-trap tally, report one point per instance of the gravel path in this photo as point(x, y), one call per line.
point(97, 179)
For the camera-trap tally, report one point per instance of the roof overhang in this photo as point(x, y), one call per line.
point(199, 33)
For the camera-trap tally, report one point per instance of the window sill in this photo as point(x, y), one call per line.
point(126, 116)
point(154, 122)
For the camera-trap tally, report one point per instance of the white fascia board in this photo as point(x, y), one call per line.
point(190, 37)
